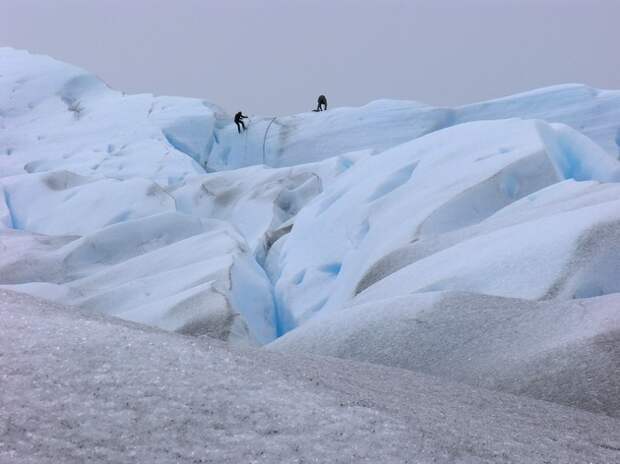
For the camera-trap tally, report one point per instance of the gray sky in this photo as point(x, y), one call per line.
point(275, 56)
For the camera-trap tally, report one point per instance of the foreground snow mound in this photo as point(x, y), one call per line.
point(85, 389)
point(567, 352)
point(450, 186)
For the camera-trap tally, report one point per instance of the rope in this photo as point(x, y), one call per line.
point(245, 134)
point(265, 139)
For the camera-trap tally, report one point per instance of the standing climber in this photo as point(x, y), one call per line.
point(322, 103)
point(239, 117)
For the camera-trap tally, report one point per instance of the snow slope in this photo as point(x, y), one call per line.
point(93, 389)
point(566, 352)
point(184, 259)
point(56, 116)
point(455, 183)
point(289, 140)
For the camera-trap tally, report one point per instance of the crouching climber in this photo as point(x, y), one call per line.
point(239, 117)
point(322, 103)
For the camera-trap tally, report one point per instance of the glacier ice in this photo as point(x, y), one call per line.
point(479, 245)
point(156, 210)
point(451, 183)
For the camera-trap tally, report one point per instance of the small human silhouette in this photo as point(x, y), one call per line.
point(322, 103)
point(239, 117)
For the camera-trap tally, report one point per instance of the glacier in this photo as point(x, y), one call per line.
point(478, 244)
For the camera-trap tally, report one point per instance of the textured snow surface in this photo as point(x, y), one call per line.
point(91, 389)
point(567, 352)
point(384, 124)
point(441, 197)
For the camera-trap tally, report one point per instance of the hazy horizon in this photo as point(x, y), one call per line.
point(275, 57)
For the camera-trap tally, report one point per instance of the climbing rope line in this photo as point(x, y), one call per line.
point(265, 139)
point(245, 136)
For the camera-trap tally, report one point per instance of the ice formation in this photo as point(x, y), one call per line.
point(345, 232)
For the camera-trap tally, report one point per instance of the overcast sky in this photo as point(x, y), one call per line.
point(275, 56)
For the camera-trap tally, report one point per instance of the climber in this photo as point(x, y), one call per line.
point(239, 117)
point(322, 103)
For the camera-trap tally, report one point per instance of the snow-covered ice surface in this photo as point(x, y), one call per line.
point(567, 352)
point(83, 388)
point(498, 222)
point(289, 140)
point(451, 187)
point(105, 204)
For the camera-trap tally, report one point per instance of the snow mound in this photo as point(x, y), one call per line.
point(260, 200)
point(86, 389)
point(40, 202)
point(590, 111)
point(57, 116)
point(561, 351)
point(169, 270)
point(449, 187)
point(570, 255)
point(559, 198)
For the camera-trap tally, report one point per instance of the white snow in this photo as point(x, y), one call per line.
point(40, 202)
point(447, 183)
point(290, 140)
